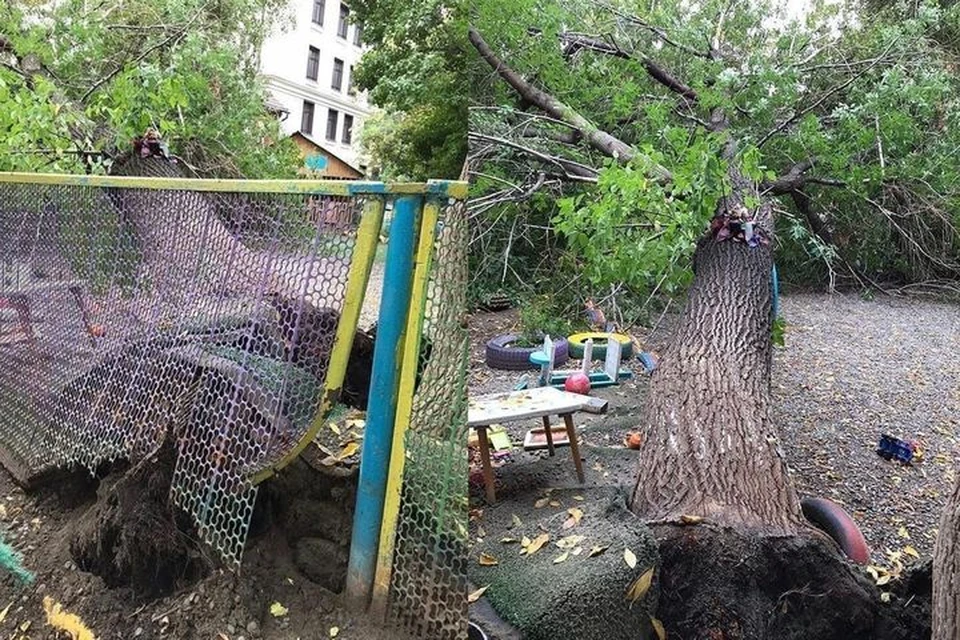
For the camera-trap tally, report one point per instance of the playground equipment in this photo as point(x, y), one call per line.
point(611, 374)
point(219, 315)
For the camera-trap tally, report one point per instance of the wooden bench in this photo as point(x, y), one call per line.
point(542, 402)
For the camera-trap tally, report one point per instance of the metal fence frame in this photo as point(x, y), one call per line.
point(417, 208)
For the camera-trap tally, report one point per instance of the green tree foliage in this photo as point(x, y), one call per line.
point(847, 119)
point(79, 80)
point(415, 72)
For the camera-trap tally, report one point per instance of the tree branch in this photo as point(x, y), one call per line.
point(840, 87)
point(163, 43)
point(572, 170)
point(795, 178)
point(660, 33)
point(573, 42)
point(595, 137)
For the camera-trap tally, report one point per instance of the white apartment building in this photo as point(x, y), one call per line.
point(308, 69)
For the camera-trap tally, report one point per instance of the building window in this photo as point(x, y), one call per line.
point(337, 83)
point(313, 64)
point(318, 7)
point(332, 116)
point(350, 90)
point(306, 120)
point(357, 32)
point(342, 25)
point(347, 129)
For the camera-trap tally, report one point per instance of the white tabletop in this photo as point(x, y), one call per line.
point(517, 405)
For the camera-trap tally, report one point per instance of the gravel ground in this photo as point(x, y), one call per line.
point(851, 369)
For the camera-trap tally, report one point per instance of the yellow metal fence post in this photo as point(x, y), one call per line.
point(368, 236)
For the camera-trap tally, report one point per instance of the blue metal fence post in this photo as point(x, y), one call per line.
point(378, 435)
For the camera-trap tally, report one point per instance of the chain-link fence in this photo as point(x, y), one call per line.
point(427, 592)
point(212, 317)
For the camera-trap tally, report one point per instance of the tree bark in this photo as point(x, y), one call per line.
point(946, 572)
point(710, 449)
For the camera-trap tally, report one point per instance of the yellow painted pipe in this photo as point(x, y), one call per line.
point(364, 253)
point(450, 189)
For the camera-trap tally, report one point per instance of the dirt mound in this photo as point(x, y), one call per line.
point(721, 584)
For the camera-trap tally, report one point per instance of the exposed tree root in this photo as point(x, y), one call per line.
point(134, 537)
point(719, 584)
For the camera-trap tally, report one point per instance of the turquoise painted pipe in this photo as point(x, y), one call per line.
point(775, 286)
point(378, 435)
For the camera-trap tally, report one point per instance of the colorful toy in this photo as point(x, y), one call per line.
point(611, 374)
point(577, 383)
point(895, 448)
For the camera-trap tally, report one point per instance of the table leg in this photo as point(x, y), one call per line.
point(488, 482)
point(548, 431)
point(574, 447)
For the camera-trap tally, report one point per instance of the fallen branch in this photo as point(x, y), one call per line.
point(595, 137)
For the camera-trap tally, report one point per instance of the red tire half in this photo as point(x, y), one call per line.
point(833, 520)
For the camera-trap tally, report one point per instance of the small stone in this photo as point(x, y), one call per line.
point(231, 629)
point(252, 626)
point(137, 631)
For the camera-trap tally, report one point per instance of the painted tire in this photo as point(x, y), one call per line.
point(501, 355)
point(578, 340)
point(833, 520)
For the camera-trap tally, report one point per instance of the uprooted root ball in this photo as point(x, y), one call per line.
point(134, 536)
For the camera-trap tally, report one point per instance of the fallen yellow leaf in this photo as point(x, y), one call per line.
point(525, 542)
point(640, 586)
point(629, 558)
point(334, 428)
point(476, 595)
point(569, 542)
point(885, 596)
point(334, 632)
point(561, 558)
point(3, 614)
point(910, 551)
point(515, 521)
point(348, 450)
point(595, 551)
point(577, 551)
point(578, 498)
point(903, 533)
point(685, 519)
point(508, 540)
point(487, 560)
point(658, 629)
point(542, 502)
point(574, 519)
point(554, 503)
point(537, 543)
point(277, 610)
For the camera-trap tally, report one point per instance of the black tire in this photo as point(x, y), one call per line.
point(599, 350)
point(834, 521)
point(500, 355)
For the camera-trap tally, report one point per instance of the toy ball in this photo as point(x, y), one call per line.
point(577, 383)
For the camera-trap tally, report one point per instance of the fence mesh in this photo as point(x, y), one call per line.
point(134, 317)
point(429, 585)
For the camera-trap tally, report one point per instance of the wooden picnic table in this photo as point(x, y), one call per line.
point(541, 402)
